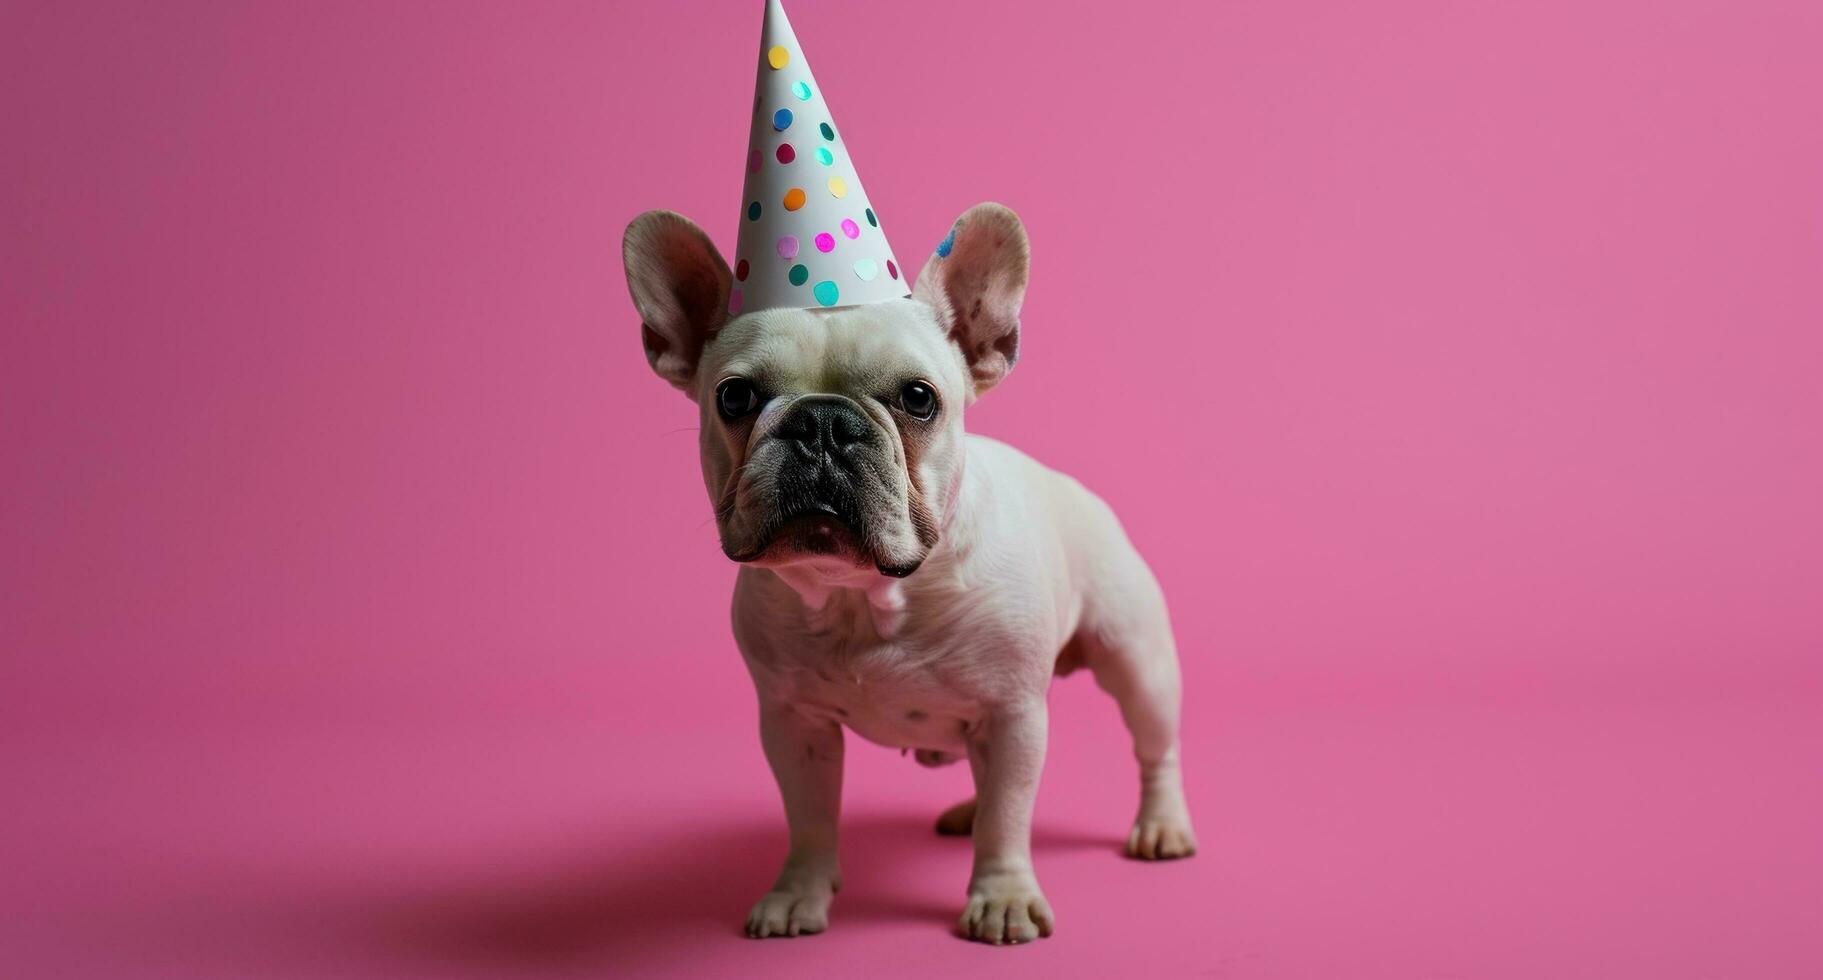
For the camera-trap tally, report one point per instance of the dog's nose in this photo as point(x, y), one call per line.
point(819, 427)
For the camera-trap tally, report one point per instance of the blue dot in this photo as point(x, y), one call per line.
point(753, 211)
point(781, 120)
point(944, 246)
point(826, 292)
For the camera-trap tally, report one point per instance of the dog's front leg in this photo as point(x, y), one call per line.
point(1006, 755)
point(806, 759)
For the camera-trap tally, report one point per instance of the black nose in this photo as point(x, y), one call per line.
point(824, 427)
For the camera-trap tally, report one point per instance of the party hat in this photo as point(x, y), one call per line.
point(809, 236)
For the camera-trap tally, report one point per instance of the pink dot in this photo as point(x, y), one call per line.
point(734, 303)
point(788, 247)
point(753, 162)
point(851, 229)
point(786, 153)
point(892, 270)
point(740, 270)
point(826, 242)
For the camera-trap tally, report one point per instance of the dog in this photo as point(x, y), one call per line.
point(899, 578)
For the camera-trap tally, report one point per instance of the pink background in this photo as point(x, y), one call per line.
point(1455, 364)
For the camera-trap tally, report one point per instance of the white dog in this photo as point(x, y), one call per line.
point(912, 583)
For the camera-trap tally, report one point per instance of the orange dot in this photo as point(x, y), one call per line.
point(794, 198)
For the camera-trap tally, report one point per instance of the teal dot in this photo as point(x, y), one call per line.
point(826, 293)
point(753, 211)
point(829, 132)
point(802, 91)
point(871, 219)
point(798, 275)
point(825, 157)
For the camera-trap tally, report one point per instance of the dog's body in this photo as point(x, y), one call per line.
point(915, 585)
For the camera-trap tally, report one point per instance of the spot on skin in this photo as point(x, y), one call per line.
point(915, 715)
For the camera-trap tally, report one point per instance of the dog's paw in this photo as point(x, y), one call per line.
point(797, 905)
point(958, 820)
point(1006, 908)
point(932, 758)
point(1161, 837)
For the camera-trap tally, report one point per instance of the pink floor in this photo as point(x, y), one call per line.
point(1462, 833)
point(1456, 365)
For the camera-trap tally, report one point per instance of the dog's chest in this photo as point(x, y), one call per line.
point(916, 675)
point(885, 696)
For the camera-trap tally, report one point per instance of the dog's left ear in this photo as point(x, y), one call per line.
point(680, 286)
point(975, 282)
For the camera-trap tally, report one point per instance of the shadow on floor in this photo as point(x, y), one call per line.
point(666, 894)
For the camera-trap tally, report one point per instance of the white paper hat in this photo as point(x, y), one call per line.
point(809, 236)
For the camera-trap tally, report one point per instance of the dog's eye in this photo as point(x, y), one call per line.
point(919, 400)
point(736, 397)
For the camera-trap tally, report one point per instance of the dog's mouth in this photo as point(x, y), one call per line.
point(826, 526)
point(815, 516)
point(818, 520)
point(818, 531)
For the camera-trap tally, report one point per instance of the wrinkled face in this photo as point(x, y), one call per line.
point(832, 437)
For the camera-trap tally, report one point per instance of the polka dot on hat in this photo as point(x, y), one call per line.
point(788, 247)
point(734, 303)
point(777, 57)
point(781, 120)
point(867, 269)
point(740, 270)
point(826, 293)
point(798, 275)
point(838, 187)
point(826, 242)
point(824, 157)
point(802, 91)
point(851, 229)
point(794, 198)
point(785, 153)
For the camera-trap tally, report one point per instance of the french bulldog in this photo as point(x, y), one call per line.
point(899, 578)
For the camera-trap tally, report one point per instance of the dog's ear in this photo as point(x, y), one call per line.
point(975, 282)
point(680, 286)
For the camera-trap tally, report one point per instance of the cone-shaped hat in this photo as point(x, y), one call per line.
point(809, 236)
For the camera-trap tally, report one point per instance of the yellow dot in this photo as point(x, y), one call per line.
point(838, 187)
point(777, 57)
point(794, 198)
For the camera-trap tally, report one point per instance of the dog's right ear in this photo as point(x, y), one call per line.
point(680, 286)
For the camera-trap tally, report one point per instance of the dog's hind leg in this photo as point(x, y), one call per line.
point(1125, 639)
